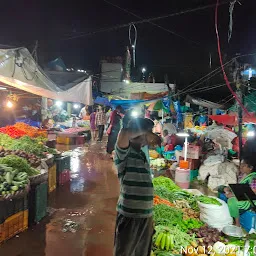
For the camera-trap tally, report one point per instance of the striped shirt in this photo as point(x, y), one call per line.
point(136, 187)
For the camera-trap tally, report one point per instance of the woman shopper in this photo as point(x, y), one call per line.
point(100, 122)
point(247, 176)
point(113, 129)
point(92, 124)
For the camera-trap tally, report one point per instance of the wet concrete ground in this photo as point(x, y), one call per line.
point(89, 200)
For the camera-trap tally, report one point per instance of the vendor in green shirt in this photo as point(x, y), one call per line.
point(247, 176)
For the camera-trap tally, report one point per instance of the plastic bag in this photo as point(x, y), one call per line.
point(210, 214)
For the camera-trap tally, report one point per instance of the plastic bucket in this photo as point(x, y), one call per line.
point(182, 178)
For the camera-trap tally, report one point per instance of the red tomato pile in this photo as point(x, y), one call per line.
point(12, 132)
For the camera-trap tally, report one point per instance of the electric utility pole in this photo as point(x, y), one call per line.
point(240, 94)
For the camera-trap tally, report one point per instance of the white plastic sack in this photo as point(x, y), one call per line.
point(215, 159)
point(215, 216)
point(205, 171)
point(215, 181)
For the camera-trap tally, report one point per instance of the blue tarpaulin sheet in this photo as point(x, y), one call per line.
point(126, 104)
point(102, 101)
point(29, 122)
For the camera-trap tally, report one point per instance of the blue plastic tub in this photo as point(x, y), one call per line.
point(248, 220)
point(169, 155)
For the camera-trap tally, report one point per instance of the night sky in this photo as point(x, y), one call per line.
point(52, 22)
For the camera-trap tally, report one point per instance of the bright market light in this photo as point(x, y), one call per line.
point(186, 135)
point(9, 104)
point(250, 134)
point(2, 88)
point(58, 103)
point(126, 81)
point(134, 114)
point(250, 73)
point(76, 106)
point(79, 70)
point(133, 46)
point(182, 134)
point(143, 70)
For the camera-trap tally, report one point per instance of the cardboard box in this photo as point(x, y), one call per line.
point(194, 152)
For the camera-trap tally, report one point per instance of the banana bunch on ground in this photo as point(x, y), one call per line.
point(164, 241)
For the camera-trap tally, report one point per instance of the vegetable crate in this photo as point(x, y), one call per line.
point(11, 207)
point(38, 197)
point(65, 140)
point(80, 140)
point(52, 178)
point(14, 225)
point(63, 163)
point(63, 177)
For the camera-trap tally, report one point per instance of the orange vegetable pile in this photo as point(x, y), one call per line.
point(159, 200)
point(31, 131)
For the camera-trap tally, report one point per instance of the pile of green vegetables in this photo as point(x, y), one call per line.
point(171, 217)
point(208, 200)
point(170, 239)
point(18, 163)
point(29, 145)
point(12, 179)
point(166, 183)
point(167, 189)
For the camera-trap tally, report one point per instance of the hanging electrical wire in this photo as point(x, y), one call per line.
point(133, 44)
point(144, 20)
point(152, 23)
point(231, 10)
point(221, 61)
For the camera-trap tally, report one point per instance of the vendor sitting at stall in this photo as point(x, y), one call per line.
point(248, 176)
point(167, 141)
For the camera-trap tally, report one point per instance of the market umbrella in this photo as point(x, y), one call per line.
point(157, 105)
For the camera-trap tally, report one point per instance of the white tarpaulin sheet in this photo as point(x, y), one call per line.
point(19, 69)
point(125, 90)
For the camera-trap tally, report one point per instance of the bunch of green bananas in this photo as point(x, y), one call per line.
point(164, 241)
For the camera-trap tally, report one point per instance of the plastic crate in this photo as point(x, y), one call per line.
point(52, 178)
point(11, 207)
point(65, 140)
point(80, 140)
point(14, 225)
point(193, 174)
point(63, 177)
point(38, 196)
point(63, 163)
point(248, 220)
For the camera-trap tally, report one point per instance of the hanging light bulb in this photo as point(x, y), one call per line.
point(9, 104)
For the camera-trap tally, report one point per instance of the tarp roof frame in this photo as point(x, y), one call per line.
point(203, 103)
point(19, 69)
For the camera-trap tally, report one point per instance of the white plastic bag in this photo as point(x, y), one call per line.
point(215, 216)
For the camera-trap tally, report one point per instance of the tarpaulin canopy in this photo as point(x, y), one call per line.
point(125, 90)
point(147, 96)
point(232, 119)
point(102, 101)
point(203, 103)
point(20, 70)
point(126, 104)
point(249, 103)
